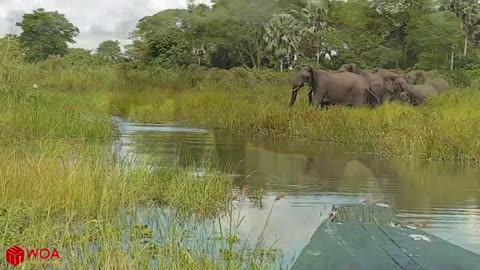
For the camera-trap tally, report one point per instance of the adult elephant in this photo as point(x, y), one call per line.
point(332, 88)
point(376, 83)
point(384, 84)
point(428, 77)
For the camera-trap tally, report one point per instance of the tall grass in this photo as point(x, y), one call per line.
point(60, 187)
point(242, 100)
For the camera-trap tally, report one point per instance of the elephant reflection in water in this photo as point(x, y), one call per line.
point(348, 168)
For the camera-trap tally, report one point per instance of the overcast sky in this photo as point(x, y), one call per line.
point(97, 19)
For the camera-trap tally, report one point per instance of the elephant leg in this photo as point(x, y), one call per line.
point(310, 96)
point(318, 96)
point(359, 100)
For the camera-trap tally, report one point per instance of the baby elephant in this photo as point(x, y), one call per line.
point(420, 93)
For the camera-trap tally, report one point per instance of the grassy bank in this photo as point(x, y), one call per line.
point(61, 188)
point(240, 100)
point(444, 129)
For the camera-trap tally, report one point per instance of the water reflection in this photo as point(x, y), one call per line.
point(445, 197)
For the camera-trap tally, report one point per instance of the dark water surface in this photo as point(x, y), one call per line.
point(443, 197)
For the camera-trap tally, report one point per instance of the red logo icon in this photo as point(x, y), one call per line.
point(15, 255)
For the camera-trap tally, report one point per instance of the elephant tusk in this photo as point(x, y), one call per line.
point(295, 89)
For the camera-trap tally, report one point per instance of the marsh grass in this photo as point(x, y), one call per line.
point(240, 100)
point(60, 186)
point(443, 129)
point(75, 198)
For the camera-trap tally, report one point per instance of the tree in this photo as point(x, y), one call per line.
point(282, 35)
point(432, 37)
point(197, 31)
point(161, 40)
point(109, 51)
point(469, 13)
point(359, 38)
point(80, 57)
point(46, 33)
point(315, 21)
point(169, 49)
point(243, 23)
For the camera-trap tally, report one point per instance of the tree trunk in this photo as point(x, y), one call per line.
point(292, 62)
point(281, 64)
point(451, 60)
point(318, 56)
point(466, 45)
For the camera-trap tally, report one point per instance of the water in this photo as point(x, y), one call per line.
point(443, 197)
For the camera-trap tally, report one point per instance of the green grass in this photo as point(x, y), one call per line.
point(61, 188)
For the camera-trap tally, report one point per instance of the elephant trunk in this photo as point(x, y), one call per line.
point(294, 96)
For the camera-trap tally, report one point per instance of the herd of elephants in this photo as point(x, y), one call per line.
point(352, 86)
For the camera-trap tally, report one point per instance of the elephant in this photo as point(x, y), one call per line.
point(332, 88)
point(419, 93)
point(382, 83)
point(428, 77)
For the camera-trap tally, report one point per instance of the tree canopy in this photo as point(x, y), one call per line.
point(434, 34)
point(46, 33)
point(109, 51)
point(264, 33)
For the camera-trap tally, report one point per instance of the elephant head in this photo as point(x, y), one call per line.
point(348, 68)
point(306, 75)
point(421, 76)
point(416, 77)
point(398, 87)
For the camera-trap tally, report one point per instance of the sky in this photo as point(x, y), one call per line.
point(97, 20)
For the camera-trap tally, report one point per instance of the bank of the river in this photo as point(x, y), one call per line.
point(242, 100)
point(61, 188)
point(446, 128)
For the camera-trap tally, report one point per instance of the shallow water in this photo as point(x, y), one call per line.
point(443, 197)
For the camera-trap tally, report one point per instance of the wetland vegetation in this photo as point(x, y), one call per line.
point(60, 185)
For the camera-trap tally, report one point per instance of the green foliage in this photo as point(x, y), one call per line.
point(159, 40)
point(46, 33)
point(315, 20)
point(282, 35)
point(109, 51)
point(257, 34)
point(356, 40)
point(433, 37)
point(168, 49)
point(80, 57)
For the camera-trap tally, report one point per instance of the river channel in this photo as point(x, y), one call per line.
point(442, 198)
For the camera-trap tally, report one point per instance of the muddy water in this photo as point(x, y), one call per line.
point(445, 198)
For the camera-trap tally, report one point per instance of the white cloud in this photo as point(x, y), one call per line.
point(97, 19)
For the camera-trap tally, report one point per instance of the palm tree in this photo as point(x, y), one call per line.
point(469, 13)
point(282, 35)
point(315, 22)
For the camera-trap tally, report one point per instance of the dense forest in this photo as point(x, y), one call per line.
point(281, 34)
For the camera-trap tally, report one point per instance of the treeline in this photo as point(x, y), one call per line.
point(275, 34)
point(426, 34)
